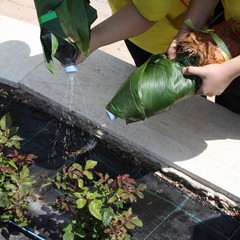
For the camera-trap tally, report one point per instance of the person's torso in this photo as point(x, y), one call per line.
point(168, 15)
point(231, 9)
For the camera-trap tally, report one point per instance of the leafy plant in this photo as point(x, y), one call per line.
point(97, 203)
point(15, 183)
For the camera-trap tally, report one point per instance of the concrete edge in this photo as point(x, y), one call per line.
point(217, 199)
point(223, 202)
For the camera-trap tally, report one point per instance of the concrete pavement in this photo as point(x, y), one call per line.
point(196, 142)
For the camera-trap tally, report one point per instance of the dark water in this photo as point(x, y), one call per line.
point(166, 211)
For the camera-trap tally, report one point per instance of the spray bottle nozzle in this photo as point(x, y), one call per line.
point(111, 115)
point(70, 68)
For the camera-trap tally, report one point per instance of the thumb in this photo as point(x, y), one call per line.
point(172, 49)
point(80, 58)
point(191, 70)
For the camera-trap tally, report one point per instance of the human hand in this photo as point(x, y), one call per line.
point(215, 78)
point(80, 58)
point(172, 49)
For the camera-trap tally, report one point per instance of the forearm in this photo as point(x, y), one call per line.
point(199, 12)
point(232, 67)
point(124, 24)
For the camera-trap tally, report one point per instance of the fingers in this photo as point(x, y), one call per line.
point(173, 47)
point(207, 89)
point(200, 92)
point(192, 71)
point(171, 52)
point(80, 58)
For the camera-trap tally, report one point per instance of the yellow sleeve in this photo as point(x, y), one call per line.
point(153, 10)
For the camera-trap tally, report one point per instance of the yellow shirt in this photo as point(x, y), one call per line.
point(232, 9)
point(168, 15)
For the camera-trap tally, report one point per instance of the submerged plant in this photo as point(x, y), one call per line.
point(98, 204)
point(16, 187)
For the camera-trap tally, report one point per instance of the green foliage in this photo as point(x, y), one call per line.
point(153, 88)
point(15, 183)
point(97, 202)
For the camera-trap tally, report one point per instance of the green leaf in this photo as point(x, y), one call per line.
point(112, 199)
point(80, 183)
point(2, 178)
point(153, 88)
point(57, 184)
point(4, 201)
point(15, 177)
point(74, 176)
point(24, 191)
point(77, 166)
point(55, 44)
point(22, 223)
point(92, 194)
point(27, 181)
point(108, 215)
point(137, 222)
point(25, 172)
point(88, 174)
point(76, 18)
point(19, 212)
point(13, 143)
point(78, 194)
point(190, 25)
point(6, 121)
point(12, 163)
point(58, 177)
point(127, 196)
point(90, 164)
point(16, 138)
point(10, 186)
point(140, 194)
point(79, 230)
point(129, 225)
point(68, 236)
point(67, 228)
point(64, 185)
point(141, 187)
point(95, 208)
point(81, 202)
point(3, 139)
point(222, 46)
point(13, 131)
point(7, 215)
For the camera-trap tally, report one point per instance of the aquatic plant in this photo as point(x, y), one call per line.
point(16, 186)
point(99, 204)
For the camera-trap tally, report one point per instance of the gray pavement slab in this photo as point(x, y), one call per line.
point(18, 46)
point(196, 140)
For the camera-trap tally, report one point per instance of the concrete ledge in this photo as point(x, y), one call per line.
point(20, 50)
point(196, 137)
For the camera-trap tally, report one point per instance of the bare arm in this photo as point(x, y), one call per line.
point(199, 12)
point(124, 24)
